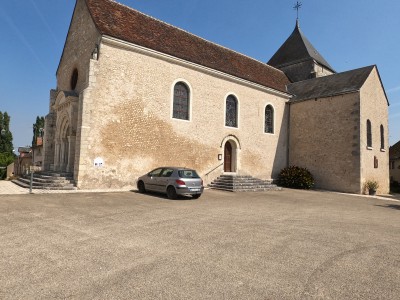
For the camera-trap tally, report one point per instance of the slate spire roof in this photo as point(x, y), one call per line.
point(297, 48)
point(119, 21)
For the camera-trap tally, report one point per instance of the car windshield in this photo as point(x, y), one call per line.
point(188, 174)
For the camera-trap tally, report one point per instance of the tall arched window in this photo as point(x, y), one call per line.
point(369, 134)
point(231, 111)
point(181, 101)
point(269, 119)
point(74, 79)
point(382, 137)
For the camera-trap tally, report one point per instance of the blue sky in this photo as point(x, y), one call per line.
point(349, 34)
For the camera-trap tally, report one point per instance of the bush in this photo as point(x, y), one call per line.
point(296, 177)
point(371, 185)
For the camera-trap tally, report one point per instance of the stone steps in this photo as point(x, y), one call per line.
point(242, 183)
point(47, 181)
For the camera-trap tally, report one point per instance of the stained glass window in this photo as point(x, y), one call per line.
point(231, 111)
point(369, 134)
point(181, 101)
point(269, 119)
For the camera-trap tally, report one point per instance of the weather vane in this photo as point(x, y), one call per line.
point(297, 7)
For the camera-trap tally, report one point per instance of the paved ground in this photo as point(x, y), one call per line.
point(274, 245)
point(9, 188)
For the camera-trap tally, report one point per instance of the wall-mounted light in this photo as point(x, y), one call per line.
point(219, 156)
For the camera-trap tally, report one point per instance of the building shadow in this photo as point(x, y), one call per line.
point(392, 206)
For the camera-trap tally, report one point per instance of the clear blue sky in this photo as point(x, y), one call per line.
point(349, 34)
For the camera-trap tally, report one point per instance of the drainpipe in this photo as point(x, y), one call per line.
point(288, 136)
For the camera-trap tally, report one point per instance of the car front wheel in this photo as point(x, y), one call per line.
point(171, 193)
point(141, 187)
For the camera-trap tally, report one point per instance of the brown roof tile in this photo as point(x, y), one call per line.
point(121, 22)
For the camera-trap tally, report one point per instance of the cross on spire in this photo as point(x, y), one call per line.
point(297, 7)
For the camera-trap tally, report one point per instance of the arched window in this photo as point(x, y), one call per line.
point(382, 137)
point(181, 101)
point(269, 119)
point(231, 111)
point(369, 134)
point(74, 79)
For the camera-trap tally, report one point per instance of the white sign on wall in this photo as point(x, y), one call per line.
point(98, 162)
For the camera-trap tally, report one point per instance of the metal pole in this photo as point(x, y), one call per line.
point(31, 183)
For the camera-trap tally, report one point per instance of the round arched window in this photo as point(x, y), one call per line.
point(74, 79)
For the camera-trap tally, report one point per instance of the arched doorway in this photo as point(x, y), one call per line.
point(228, 157)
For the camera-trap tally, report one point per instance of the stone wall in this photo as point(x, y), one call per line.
point(81, 40)
point(324, 137)
point(127, 120)
point(374, 107)
point(395, 172)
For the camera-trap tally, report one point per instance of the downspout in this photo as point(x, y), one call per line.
point(288, 136)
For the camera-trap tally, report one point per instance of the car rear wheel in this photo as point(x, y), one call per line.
point(171, 193)
point(141, 187)
point(197, 196)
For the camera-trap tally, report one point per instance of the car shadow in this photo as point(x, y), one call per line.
point(392, 206)
point(162, 196)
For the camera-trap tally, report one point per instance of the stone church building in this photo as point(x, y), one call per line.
point(134, 93)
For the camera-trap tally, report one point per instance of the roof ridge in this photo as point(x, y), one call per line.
point(192, 34)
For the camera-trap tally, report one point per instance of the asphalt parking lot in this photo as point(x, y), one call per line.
point(274, 245)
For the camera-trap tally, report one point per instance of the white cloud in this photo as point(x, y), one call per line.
point(395, 89)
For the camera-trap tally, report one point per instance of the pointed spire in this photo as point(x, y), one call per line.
point(296, 49)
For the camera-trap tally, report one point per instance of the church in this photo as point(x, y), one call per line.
point(135, 93)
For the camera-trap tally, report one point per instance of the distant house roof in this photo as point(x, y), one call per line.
point(331, 85)
point(124, 23)
point(297, 48)
point(24, 149)
point(394, 151)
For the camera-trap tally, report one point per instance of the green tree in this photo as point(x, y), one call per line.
point(6, 147)
point(37, 129)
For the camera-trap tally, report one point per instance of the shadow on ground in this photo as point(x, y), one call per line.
point(392, 206)
point(162, 196)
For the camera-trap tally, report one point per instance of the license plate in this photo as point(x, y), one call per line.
point(195, 190)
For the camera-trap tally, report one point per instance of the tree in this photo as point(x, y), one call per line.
point(6, 147)
point(37, 129)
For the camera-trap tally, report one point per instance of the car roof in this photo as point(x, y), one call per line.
point(175, 168)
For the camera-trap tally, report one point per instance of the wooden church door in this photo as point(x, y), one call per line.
point(228, 157)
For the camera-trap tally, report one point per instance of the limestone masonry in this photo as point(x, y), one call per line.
point(133, 94)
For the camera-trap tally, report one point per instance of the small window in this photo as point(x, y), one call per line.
point(74, 79)
point(269, 119)
point(155, 173)
point(167, 172)
point(181, 101)
point(188, 174)
point(382, 137)
point(369, 134)
point(231, 111)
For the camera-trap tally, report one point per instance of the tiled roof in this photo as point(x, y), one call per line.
point(394, 151)
point(297, 48)
point(124, 23)
point(331, 85)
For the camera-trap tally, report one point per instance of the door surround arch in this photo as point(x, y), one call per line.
point(230, 146)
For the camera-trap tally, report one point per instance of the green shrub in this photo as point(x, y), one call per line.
point(296, 177)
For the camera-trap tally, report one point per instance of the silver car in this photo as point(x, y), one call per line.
point(172, 181)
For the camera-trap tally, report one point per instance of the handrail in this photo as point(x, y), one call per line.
point(213, 169)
